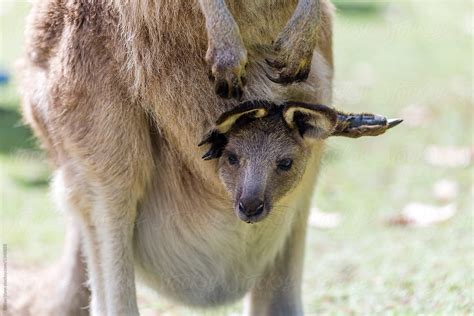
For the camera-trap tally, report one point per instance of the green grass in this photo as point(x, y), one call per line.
point(399, 54)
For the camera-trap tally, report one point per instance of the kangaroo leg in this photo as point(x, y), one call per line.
point(57, 290)
point(73, 294)
point(294, 46)
point(106, 165)
point(116, 258)
point(73, 197)
point(226, 54)
point(107, 227)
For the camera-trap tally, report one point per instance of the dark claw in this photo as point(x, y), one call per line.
point(222, 89)
point(214, 152)
point(210, 75)
point(279, 79)
point(211, 154)
point(244, 80)
point(302, 75)
point(236, 91)
point(275, 63)
point(284, 78)
point(205, 140)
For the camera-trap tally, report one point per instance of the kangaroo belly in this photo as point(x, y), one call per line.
point(205, 259)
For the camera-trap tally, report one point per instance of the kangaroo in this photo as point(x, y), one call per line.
point(118, 92)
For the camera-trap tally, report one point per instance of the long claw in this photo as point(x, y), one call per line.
point(363, 124)
point(393, 122)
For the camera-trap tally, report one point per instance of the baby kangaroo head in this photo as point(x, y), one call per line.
point(263, 149)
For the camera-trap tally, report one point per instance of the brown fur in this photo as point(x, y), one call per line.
point(118, 94)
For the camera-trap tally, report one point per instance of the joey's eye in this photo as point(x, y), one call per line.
point(285, 164)
point(233, 160)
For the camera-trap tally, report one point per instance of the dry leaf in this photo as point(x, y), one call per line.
point(449, 156)
point(321, 219)
point(445, 190)
point(421, 215)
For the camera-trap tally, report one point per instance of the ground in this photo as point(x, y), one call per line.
point(410, 59)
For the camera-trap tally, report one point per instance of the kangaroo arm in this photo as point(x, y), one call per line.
point(226, 54)
point(295, 44)
point(306, 15)
point(217, 16)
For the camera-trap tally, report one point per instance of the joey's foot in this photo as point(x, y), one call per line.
point(227, 69)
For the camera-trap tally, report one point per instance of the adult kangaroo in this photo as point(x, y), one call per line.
point(119, 94)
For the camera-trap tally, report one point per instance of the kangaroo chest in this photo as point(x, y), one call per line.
point(207, 258)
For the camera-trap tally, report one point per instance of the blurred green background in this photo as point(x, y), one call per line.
point(365, 254)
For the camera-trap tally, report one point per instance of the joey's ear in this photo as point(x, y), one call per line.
point(320, 121)
point(217, 136)
point(251, 109)
point(315, 121)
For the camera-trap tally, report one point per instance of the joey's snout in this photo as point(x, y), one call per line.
point(251, 205)
point(251, 209)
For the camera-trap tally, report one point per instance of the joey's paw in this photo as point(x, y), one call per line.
point(292, 61)
point(227, 70)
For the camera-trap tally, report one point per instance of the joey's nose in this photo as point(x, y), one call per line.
point(251, 208)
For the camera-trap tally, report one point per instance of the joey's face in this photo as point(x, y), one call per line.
point(263, 151)
point(262, 162)
point(263, 148)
